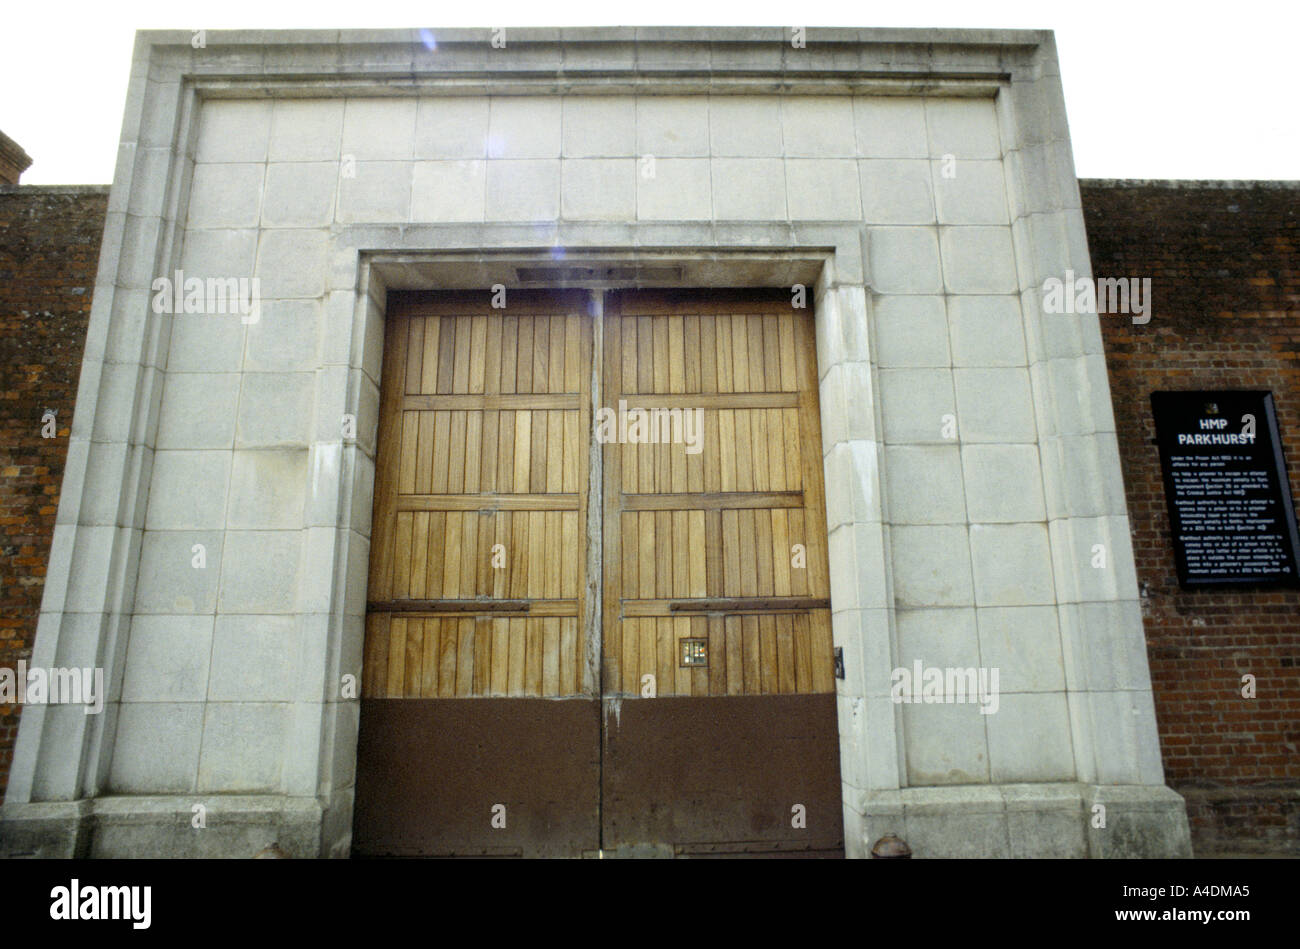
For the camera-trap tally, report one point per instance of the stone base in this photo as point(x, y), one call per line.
point(1023, 820)
point(237, 826)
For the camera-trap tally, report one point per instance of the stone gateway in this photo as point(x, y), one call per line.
point(827, 250)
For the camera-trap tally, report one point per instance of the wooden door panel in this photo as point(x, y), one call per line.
point(741, 518)
point(478, 584)
point(702, 545)
point(480, 498)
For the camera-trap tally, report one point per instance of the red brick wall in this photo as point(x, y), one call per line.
point(49, 248)
point(1225, 268)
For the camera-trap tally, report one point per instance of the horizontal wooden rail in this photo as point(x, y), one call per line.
point(707, 400)
point(488, 503)
point(505, 402)
point(739, 604)
point(724, 500)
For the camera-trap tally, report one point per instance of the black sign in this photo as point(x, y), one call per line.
point(1226, 485)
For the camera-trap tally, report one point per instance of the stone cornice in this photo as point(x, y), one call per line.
point(585, 54)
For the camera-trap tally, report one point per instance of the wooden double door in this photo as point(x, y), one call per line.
point(598, 617)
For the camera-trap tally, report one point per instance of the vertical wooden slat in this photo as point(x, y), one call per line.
point(555, 381)
point(785, 652)
point(478, 353)
point(798, 574)
point(758, 446)
point(446, 355)
point(413, 683)
point(435, 554)
point(473, 451)
point(533, 662)
point(708, 354)
point(752, 656)
point(419, 556)
point(550, 656)
point(574, 369)
point(538, 449)
point(663, 554)
point(554, 563)
point(630, 657)
point(524, 361)
point(500, 656)
point(410, 453)
point(681, 555)
point(574, 447)
point(757, 369)
point(568, 684)
point(802, 653)
point(717, 656)
point(768, 656)
point(506, 452)
point(789, 372)
point(447, 658)
point(649, 653)
point(726, 371)
point(744, 452)
point(429, 658)
point(763, 552)
point(492, 355)
point(429, 368)
point(440, 451)
point(469, 532)
point(414, 354)
point(509, 354)
point(697, 585)
point(402, 556)
point(823, 672)
point(518, 665)
point(713, 557)
point(780, 553)
point(523, 450)
point(397, 657)
point(456, 453)
point(735, 656)
point(740, 353)
point(463, 363)
point(541, 354)
point(727, 450)
point(464, 656)
point(572, 547)
point(748, 555)
point(539, 554)
point(482, 634)
point(667, 662)
point(453, 548)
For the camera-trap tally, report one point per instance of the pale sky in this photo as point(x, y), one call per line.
point(1153, 88)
